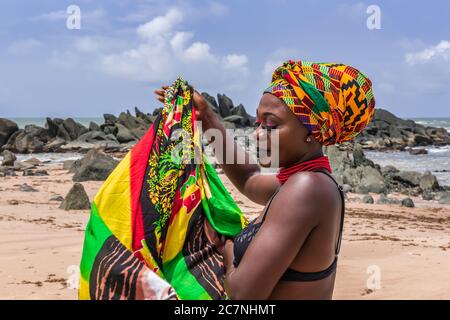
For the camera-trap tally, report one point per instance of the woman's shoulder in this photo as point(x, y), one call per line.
point(312, 190)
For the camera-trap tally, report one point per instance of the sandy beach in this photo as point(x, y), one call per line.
point(40, 244)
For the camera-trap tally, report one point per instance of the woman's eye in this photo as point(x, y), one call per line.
point(269, 127)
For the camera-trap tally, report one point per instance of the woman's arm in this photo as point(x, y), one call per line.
point(288, 223)
point(245, 177)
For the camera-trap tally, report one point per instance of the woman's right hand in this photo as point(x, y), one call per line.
point(202, 110)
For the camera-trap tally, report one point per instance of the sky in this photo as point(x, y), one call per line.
point(124, 49)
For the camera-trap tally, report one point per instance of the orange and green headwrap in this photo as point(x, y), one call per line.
point(334, 101)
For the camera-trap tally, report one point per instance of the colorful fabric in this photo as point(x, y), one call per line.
point(334, 101)
point(311, 165)
point(150, 226)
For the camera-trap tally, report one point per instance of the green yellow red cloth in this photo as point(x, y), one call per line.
point(147, 237)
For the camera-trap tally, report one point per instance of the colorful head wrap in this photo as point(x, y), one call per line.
point(334, 101)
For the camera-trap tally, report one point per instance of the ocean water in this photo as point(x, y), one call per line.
point(22, 122)
point(437, 161)
point(434, 122)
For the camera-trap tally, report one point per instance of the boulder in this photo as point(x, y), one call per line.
point(416, 152)
point(237, 120)
point(428, 182)
point(35, 173)
point(240, 111)
point(212, 102)
point(7, 128)
point(444, 198)
point(368, 199)
point(109, 118)
point(94, 166)
point(370, 180)
point(56, 197)
point(225, 105)
point(27, 188)
point(408, 178)
point(31, 139)
point(383, 199)
point(93, 126)
point(407, 202)
point(76, 199)
point(124, 134)
point(8, 158)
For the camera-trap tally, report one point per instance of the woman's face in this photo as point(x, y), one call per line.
point(273, 118)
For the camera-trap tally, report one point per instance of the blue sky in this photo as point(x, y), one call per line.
point(125, 49)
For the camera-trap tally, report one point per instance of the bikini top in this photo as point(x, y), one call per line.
point(243, 239)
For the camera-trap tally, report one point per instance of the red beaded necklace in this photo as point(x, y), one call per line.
point(311, 165)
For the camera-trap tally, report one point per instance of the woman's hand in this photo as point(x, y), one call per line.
point(202, 109)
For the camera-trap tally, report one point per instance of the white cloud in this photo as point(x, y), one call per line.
point(160, 25)
point(165, 51)
point(441, 50)
point(51, 16)
point(235, 61)
point(21, 47)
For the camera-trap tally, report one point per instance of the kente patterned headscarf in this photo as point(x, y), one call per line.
point(334, 101)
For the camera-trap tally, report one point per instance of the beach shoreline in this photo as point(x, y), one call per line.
point(40, 244)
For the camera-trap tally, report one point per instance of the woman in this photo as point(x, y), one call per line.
point(290, 251)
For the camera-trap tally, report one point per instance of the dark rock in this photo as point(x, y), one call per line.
point(156, 111)
point(124, 135)
point(93, 126)
point(389, 170)
point(7, 128)
point(56, 197)
point(73, 128)
point(8, 158)
point(370, 180)
point(76, 199)
point(444, 198)
point(229, 125)
point(109, 118)
point(7, 172)
point(237, 120)
point(225, 105)
point(33, 161)
point(31, 139)
point(13, 202)
point(54, 145)
point(96, 136)
point(240, 111)
point(212, 102)
point(383, 199)
point(428, 182)
point(368, 199)
point(68, 165)
point(407, 202)
point(427, 195)
point(408, 178)
point(148, 119)
point(415, 152)
point(94, 166)
point(27, 188)
point(36, 173)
